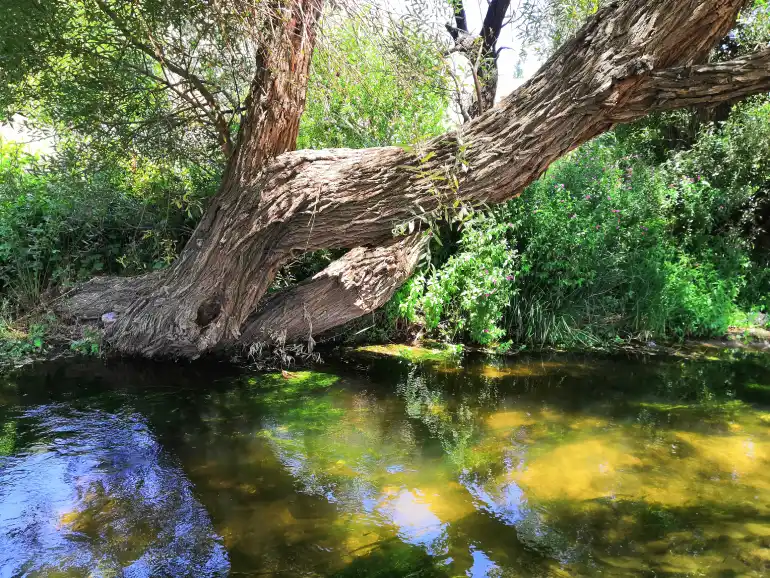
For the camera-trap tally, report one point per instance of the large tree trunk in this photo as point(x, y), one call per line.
point(364, 279)
point(630, 59)
point(193, 300)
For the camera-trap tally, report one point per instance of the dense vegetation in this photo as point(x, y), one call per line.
point(614, 241)
point(93, 207)
point(656, 230)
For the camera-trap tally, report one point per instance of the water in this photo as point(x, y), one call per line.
point(375, 466)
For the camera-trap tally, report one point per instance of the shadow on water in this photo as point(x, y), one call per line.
point(377, 466)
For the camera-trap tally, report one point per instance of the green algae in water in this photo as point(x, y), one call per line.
point(532, 467)
point(7, 438)
point(414, 353)
point(293, 382)
point(763, 387)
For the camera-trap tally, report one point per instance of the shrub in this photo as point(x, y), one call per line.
point(69, 217)
point(608, 243)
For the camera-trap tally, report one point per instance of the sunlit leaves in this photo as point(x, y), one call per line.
point(370, 87)
point(121, 72)
point(610, 242)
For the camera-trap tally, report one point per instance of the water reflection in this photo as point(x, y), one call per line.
point(410, 512)
point(505, 502)
point(91, 493)
point(531, 467)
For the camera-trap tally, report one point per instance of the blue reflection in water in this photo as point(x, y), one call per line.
point(482, 565)
point(506, 502)
point(415, 521)
point(95, 494)
point(404, 509)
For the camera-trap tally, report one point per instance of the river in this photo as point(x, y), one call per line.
point(374, 465)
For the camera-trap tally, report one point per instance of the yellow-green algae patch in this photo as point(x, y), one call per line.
point(415, 353)
point(7, 438)
point(289, 381)
point(550, 470)
point(535, 368)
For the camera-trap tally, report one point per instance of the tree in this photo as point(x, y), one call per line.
point(374, 85)
point(629, 59)
point(482, 53)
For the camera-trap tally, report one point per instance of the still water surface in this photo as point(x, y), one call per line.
point(377, 466)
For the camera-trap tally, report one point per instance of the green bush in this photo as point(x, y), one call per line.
point(16, 346)
point(610, 244)
point(67, 218)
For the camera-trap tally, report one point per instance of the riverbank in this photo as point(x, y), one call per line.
point(737, 339)
point(44, 337)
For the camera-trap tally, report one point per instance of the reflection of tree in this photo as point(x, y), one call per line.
point(689, 422)
point(97, 495)
point(451, 419)
point(359, 452)
point(7, 436)
point(585, 473)
point(347, 449)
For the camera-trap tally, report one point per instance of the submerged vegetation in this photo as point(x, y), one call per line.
point(424, 352)
point(536, 466)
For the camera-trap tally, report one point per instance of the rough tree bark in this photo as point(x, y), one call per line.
point(363, 280)
point(632, 58)
point(295, 322)
point(274, 107)
point(350, 287)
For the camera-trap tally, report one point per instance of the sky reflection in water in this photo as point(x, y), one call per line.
point(94, 493)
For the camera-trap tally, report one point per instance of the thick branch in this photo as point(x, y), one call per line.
point(493, 24)
point(578, 94)
point(324, 302)
point(308, 200)
point(709, 84)
point(664, 90)
point(89, 301)
point(356, 284)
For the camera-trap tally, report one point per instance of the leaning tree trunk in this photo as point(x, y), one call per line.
point(632, 58)
point(350, 287)
point(324, 302)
